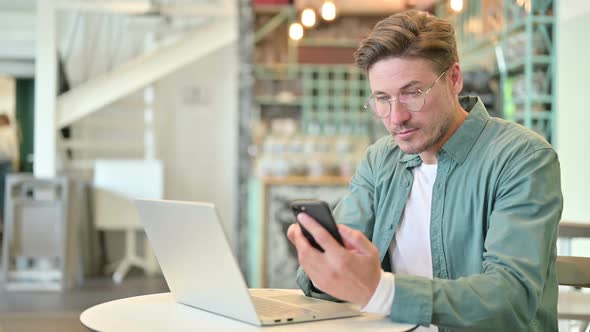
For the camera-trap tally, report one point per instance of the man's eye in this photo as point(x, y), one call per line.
point(382, 99)
point(413, 93)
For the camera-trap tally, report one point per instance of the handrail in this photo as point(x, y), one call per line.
point(570, 229)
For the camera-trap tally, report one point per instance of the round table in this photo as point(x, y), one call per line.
point(160, 312)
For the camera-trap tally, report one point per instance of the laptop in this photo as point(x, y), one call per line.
point(201, 271)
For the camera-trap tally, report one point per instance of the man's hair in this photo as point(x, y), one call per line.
point(409, 34)
point(4, 119)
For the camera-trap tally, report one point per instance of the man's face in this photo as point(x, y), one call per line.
point(414, 132)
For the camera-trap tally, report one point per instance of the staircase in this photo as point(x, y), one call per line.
point(113, 53)
point(110, 115)
point(117, 131)
point(113, 59)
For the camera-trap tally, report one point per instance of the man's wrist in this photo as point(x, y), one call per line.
point(372, 290)
point(382, 298)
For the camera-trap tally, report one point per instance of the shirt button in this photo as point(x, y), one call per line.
point(405, 183)
point(389, 226)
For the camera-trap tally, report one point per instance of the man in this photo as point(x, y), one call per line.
point(8, 143)
point(8, 155)
point(450, 222)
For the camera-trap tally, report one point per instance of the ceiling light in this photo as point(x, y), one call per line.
point(328, 11)
point(296, 31)
point(457, 5)
point(308, 17)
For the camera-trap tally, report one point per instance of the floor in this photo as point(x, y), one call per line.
point(60, 311)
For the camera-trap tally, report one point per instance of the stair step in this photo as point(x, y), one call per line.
point(92, 145)
point(110, 124)
point(80, 164)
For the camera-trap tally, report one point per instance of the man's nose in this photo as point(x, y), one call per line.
point(399, 114)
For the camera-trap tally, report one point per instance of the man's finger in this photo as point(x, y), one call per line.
point(291, 232)
point(298, 239)
point(307, 255)
point(295, 235)
point(319, 233)
point(356, 239)
point(350, 246)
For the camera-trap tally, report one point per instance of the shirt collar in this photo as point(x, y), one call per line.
point(408, 157)
point(459, 145)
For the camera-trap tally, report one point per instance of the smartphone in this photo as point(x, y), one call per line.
point(320, 211)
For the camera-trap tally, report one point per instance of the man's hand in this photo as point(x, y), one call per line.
point(350, 274)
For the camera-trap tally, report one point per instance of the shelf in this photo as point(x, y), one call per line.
point(307, 180)
point(522, 42)
point(520, 24)
point(328, 42)
point(265, 76)
point(490, 39)
point(273, 100)
point(518, 66)
point(28, 286)
point(270, 9)
point(536, 60)
point(538, 99)
point(36, 275)
point(29, 202)
point(278, 71)
point(534, 115)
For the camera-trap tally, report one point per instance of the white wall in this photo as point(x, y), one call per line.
point(573, 111)
point(196, 132)
point(573, 116)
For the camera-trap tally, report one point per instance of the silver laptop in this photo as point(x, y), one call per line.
point(196, 259)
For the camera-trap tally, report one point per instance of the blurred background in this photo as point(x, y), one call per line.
point(248, 104)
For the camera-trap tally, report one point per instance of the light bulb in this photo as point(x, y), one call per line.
point(457, 5)
point(296, 31)
point(328, 11)
point(308, 17)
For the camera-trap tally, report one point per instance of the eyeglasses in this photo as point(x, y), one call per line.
point(412, 101)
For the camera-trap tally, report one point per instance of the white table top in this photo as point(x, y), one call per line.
point(160, 312)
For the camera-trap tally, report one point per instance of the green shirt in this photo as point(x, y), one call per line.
point(496, 205)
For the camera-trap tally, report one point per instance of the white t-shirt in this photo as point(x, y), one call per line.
point(410, 249)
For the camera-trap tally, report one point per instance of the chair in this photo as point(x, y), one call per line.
point(573, 271)
point(116, 184)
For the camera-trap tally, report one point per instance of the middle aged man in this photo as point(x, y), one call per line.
point(452, 219)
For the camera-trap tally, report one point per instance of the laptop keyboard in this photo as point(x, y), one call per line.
point(270, 308)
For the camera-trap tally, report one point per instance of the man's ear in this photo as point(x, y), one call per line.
point(456, 78)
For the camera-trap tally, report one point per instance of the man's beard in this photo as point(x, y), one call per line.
point(428, 144)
